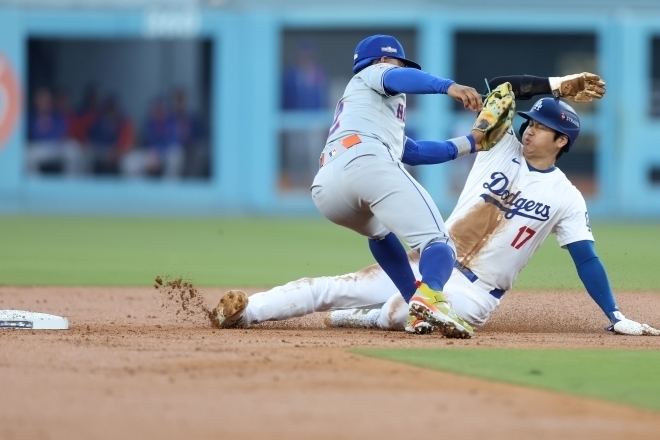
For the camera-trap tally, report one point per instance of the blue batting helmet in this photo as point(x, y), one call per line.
point(554, 114)
point(378, 46)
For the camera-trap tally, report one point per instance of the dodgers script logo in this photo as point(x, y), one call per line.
point(511, 203)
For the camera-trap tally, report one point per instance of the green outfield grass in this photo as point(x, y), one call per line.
point(260, 252)
point(627, 377)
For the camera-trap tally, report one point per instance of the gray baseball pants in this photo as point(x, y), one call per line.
point(369, 191)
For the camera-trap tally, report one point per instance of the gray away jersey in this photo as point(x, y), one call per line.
point(367, 110)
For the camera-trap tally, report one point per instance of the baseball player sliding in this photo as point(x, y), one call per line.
point(513, 199)
point(362, 184)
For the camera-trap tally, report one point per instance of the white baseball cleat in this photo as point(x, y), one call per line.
point(230, 312)
point(352, 318)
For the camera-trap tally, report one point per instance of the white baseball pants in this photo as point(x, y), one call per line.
point(367, 288)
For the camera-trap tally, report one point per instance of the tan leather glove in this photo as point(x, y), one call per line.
point(580, 87)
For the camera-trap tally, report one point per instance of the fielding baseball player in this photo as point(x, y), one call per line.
point(363, 185)
point(513, 199)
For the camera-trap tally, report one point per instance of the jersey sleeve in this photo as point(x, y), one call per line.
point(574, 224)
point(373, 77)
point(429, 152)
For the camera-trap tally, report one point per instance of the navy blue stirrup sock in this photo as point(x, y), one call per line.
point(436, 264)
point(392, 257)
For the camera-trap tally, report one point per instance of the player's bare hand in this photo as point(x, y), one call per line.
point(633, 328)
point(467, 96)
point(478, 136)
point(580, 87)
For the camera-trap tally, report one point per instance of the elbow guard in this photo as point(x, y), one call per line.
point(526, 87)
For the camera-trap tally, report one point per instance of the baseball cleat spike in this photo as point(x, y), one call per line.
point(418, 326)
point(230, 312)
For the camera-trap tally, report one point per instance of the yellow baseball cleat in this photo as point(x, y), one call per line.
point(432, 307)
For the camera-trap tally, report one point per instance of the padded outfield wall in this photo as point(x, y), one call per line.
point(253, 137)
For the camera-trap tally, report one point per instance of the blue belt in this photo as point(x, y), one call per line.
point(497, 293)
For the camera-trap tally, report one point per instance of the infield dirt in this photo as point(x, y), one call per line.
point(129, 368)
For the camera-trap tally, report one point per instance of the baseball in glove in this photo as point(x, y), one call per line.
point(496, 116)
point(581, 87)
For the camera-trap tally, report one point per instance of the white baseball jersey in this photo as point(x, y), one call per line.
point(506, 211)
point(366, 109)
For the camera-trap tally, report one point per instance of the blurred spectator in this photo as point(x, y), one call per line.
point(305, 87)
point(64, 109)
point(86, 115)
point(49, 149)
point(111, 137)
point(306, 82)
point(190, 134)
point(162, 152)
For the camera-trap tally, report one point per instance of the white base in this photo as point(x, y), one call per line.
point(32, 320)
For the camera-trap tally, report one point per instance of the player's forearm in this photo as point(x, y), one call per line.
point(593, 276)
point(524, 86)
point(414, 81)
point(435, 152)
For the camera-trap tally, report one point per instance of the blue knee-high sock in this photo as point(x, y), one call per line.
point(436, 264)
point(392, 257)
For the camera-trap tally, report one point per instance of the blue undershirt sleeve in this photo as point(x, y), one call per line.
point(593, 276)
point(407, 80)
point(432, 152)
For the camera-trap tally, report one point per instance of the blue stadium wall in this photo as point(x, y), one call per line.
point(247, 119)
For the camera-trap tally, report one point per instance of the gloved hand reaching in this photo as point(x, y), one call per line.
point(581, 87)
point(632, 328)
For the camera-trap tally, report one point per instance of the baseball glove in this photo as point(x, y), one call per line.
point(581, 87)
point(496, 116)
